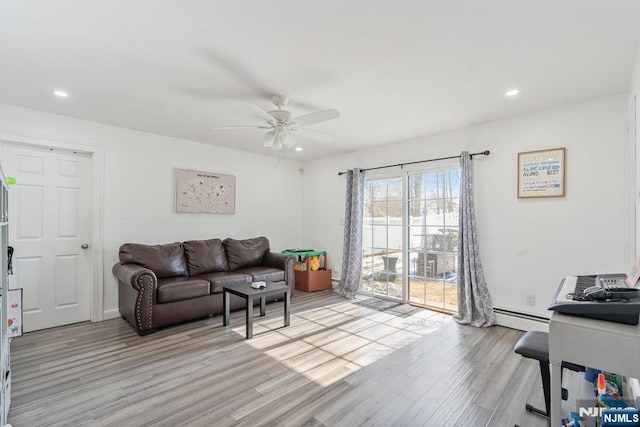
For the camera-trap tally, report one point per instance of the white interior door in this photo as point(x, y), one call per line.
point(49, 227)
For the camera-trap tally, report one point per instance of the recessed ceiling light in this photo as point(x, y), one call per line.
point(298, 148)
point(60, 93)
point(512, 92)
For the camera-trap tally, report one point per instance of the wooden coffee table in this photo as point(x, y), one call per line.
point(245, 291)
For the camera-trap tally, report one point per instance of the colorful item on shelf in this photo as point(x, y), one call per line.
point(314, 263)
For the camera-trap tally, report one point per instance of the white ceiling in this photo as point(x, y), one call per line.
point(395, 70)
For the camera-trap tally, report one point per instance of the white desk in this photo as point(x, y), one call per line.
point(612, 347)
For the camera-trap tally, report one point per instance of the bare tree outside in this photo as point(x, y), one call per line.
point(415, 193)
point(437, 195)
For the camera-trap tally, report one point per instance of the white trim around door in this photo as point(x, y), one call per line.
point(97, 155)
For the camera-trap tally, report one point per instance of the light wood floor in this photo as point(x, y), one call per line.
point(338, 364)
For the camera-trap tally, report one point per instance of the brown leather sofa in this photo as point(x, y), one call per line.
point(166, 284)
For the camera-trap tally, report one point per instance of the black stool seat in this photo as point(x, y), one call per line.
point(535, 345)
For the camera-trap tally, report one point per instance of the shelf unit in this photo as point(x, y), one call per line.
point(310, 280)
point(5, 363)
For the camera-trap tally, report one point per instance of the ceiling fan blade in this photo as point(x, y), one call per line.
point(317, 117)
point(239, 127)
point(315, 135)
point(236, 69)
point(259, 111)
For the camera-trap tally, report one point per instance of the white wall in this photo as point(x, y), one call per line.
point(635, 78)
point(634, 141)
point(139, 187)
point(527, 245)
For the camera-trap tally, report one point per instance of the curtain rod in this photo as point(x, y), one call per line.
point(484, 153)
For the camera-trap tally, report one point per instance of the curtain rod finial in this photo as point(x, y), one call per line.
point(486, 152)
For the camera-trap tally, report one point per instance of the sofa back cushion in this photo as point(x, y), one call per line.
point(205, 256)
point(164, 260)
point(245, 253)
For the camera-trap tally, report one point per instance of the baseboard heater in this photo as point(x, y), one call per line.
point(520, 315)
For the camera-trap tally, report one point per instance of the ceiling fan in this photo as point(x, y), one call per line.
point(282, 128)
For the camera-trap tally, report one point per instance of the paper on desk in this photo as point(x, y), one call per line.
point(634, 275)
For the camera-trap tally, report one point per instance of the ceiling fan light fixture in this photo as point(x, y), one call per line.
point(287, 139)
point(269, 138)
point(282, 128)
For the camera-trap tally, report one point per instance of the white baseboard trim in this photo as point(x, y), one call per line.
point(521, 321)
point(111, 314)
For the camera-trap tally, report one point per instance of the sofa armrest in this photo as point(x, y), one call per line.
point(132, 274)
point(137, 294)
point(283, 262)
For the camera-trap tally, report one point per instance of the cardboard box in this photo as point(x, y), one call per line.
point(311, 281)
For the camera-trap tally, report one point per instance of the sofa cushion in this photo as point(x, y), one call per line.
point(245, 253)
point(178, 288)
point(205, 256)
point(219, 280)
point(164, 260)
point(268, 274)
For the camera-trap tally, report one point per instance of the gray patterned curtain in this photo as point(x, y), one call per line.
point(474, 301)
point(352, 247)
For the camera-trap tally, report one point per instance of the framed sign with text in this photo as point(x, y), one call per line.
point(542, 173)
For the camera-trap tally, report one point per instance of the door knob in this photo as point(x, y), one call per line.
point(84, 245)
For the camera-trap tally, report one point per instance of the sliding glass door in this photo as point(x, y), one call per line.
point(410, 238)
point(433, 238)
point(382, 237)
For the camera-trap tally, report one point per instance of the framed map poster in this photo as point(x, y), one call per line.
point(208, 192)
point(541, 173)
